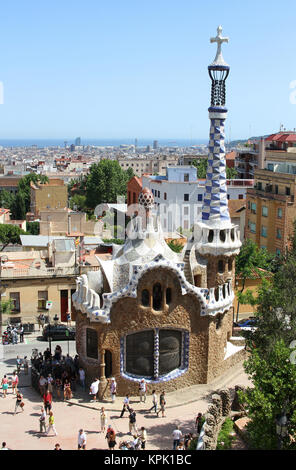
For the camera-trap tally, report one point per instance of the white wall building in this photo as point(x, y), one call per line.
point(179, 195)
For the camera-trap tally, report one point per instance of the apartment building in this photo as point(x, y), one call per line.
point(271, 209)
point(52, 195)
point(153, 165)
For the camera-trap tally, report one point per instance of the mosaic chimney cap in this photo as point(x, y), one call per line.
point(146, 198)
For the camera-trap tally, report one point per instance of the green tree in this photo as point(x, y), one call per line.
point(10, 234)
point(78, 201)
point(106, 180)
point(33, 228)
point(231, 173)
point(18, 207)
point(6, 199)
point(249, 264)
point(24, 186)
point(201, 165)
point(273, 392)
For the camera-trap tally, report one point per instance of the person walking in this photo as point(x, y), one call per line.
point(143, 437)
point(47, 400)
point(42, 420)
point(14, 336)
point(14, 382)
point(42, 385)
point(198, 423)
point(142, 390)
point(177, 434)
point(132, 422)
point(81, 440)
point(94, 388)
point(58, 387)
point(18, 364)
point(4, 386)
point(113, 389)
point(50, 382)
point(154, 401)
point(162, 403)
point(125, 406)
point(103, 416)
point(51, 424)
point(19, 402)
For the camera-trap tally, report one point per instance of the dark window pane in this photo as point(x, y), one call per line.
point(139, 353)
point(91, 343)
point(145, 298)
point(168, 295)
point(170, 344)
point(157, 296)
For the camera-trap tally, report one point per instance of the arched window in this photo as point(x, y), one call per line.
point(157, 296)
point(145, 298)
point(168, 296)
point(221, 266)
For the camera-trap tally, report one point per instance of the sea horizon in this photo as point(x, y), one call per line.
point(50, 142)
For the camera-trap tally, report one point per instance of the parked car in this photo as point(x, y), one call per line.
point(247, 324)
point(57, 332)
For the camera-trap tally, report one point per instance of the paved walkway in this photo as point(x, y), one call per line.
point(22, 430)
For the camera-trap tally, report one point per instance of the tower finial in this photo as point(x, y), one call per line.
point(219, 39)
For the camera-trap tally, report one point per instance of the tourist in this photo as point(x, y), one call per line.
point(94, 388)
point(42, 420)
point(111, 437)
point(58, 386)
point(18, 364)
point(180, 446)
point(198, 423)
point(4, 446)
point(81, 440)
point(67, 390)
point(81, 374)
point(57, 447)
point(4, 386)
point(162, 403)
point(125, 406)
point(113, 387)
point(14, 336)
point(142, 390)
point(26, 365)
point(47, 399)
point(50, 382)
point(154, 401)
point(19, 402)
point(42, 385)
point(14, 382)
point(135, 443)
point(187, 440)
point(132, 421)
point(51, 424)
point(177, 434)
point(21, 332)
point(76, 363)
point(103, 416)
point(143, 437)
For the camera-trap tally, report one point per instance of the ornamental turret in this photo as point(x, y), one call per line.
point(215, 234)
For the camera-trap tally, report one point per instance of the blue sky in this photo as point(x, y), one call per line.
point(126, 69)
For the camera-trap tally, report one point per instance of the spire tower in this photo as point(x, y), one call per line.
point(215, 234)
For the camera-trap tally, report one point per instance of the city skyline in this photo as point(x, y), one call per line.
point(121, 71)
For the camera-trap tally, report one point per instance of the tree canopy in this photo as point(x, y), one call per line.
point(10, 234)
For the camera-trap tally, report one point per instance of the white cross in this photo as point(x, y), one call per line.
point(219, 39)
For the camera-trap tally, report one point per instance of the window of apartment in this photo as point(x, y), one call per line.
point(42, 298)
point(186, 224)
point(241, 196)
point(263, 231)
point(228, 197)
point(252, 227)
point(280, 213)
point(15, 300)
point(270, 166)
point(265, 211)
point(165, 196)
point(199, 197)
point(259, 186)
point(186, 177)
point(278, 233)
point(253, 207)
point(276, 189)
point(158, 193)
point(186, 210)
point(91, 343)
point(186, 197)
point(288, 192)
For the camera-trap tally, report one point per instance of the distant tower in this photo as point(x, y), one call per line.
point(136, 143)
point(215, 236)
point(65, 143)
point(155, 144)
point(78, 141)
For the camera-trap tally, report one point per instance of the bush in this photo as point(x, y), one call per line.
point(175, 246)
point(224, 438)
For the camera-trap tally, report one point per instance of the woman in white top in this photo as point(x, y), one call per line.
point(103, 416)
point(94, 388)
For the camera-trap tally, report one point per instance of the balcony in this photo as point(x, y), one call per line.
point(269, 195)
point(31, 272)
